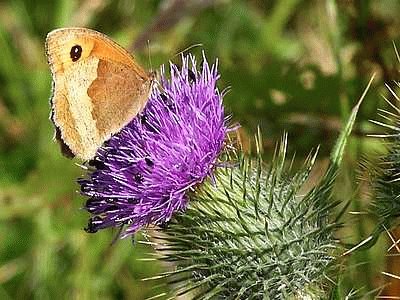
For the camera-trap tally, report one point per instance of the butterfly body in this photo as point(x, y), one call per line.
point(97, 88)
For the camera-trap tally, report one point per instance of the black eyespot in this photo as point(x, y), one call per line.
point(76, 52)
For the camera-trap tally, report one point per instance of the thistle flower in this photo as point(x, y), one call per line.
point(250, 235)
point(253, 233)
point(142, 174)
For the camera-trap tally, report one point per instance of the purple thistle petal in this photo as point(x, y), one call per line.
point(142, 173)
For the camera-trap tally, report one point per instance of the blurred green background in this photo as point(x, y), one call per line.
point(295, 66)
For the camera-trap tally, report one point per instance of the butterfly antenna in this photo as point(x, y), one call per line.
point(188, 48)
point(149, 55)
point(153, 74)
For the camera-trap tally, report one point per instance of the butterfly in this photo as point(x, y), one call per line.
point(98, 87)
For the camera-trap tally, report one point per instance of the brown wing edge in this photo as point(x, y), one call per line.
point(65, 149)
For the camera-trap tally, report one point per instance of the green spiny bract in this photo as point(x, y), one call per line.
point(250, 234)
point(386, 205)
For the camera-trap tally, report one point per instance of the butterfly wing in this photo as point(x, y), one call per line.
point(97, 88)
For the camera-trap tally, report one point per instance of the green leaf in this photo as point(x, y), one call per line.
point(338, 150)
